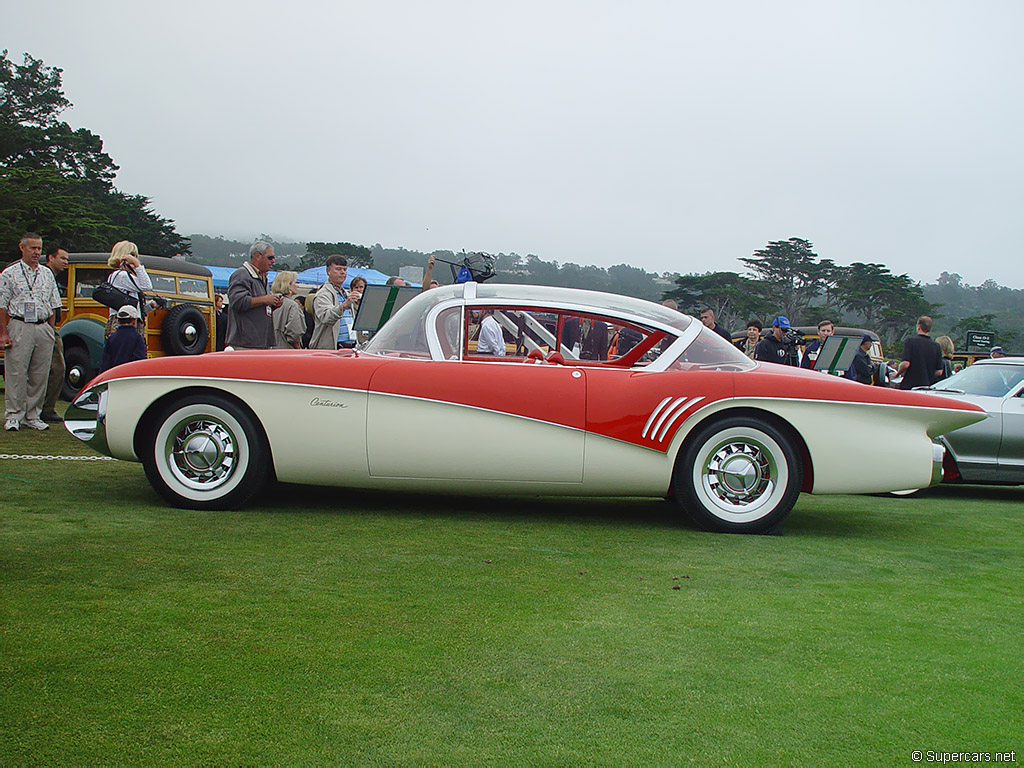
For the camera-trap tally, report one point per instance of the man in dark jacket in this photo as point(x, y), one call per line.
point(707, 316)
point(250, 304)
point(772, 349)
point(861, 367)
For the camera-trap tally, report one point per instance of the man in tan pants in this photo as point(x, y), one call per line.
point(57, 261)
point(28, 298)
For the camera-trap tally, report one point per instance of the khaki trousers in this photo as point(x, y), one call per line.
point(26, 368)
point(56, 380)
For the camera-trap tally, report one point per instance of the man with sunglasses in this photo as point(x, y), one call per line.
point(250, 303)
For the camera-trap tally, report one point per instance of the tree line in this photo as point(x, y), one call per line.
point(58, 180)
point(788, 278)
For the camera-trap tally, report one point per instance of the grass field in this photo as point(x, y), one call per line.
point(325, 626)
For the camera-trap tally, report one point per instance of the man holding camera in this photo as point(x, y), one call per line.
point(779, 346)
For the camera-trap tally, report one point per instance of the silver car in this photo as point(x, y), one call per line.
point(991, 451)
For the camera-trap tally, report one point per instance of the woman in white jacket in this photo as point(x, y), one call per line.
point(130, 276)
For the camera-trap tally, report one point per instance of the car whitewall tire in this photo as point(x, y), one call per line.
point(738, 475)
point(206, 452)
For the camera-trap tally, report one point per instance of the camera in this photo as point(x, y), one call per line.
point(793, 338)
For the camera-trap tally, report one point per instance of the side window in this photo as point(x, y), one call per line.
point(609, 340)
point(480, 318)
point(584, 337)
point(528, 330)
point(86, 279)
point(163, 283)
point(190, 286)
point(449, 332)
point(587, 338)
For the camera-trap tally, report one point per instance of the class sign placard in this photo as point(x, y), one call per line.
point(981, 338)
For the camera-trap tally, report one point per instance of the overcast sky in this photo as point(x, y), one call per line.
point(670, 135)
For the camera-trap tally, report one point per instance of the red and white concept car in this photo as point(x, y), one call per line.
point(597, 395)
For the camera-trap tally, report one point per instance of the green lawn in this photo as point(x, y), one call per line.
point(326, 626)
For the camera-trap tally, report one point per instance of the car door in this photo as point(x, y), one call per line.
point(477, 420)
point(1011, 445)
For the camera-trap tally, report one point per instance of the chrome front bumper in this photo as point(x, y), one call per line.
point(86, 418)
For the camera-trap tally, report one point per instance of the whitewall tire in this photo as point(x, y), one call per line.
point(738, 475)
point(206, 452)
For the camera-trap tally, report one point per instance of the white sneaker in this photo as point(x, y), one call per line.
point(11, 425)
point(36, 424)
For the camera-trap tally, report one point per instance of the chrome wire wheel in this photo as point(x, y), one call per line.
point(207, 453)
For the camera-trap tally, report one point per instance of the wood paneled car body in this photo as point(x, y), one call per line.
point(673, 410)
point(184, 324)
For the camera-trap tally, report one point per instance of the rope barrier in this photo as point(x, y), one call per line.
point(57, 458)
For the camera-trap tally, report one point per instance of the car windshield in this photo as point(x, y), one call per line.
point(989, 380)
point(404, 334)
point(709, 351)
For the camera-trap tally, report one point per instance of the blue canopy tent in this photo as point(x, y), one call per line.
point(316, 276)
point(220, 277)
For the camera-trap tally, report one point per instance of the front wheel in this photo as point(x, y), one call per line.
point(206, 452)
point(78, 371)
point(738, 475)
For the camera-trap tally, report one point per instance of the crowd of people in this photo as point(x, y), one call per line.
point(30, 306)
point(254, 315)
point(923, 361)
point(250, 316)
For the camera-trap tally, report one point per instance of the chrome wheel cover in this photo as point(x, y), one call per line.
point(201, 452)
point(740, 474)
point(76, 375)
point(189, 334)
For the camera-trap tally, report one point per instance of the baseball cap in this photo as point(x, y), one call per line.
point(997, 350)
point(781, 322)
point(865, 339)
point(128, 312)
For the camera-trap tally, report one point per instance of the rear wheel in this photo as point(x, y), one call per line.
point(738, 475)
point(905, 494)
point(206, 452)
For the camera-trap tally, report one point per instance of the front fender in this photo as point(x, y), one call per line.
point(85, 331)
